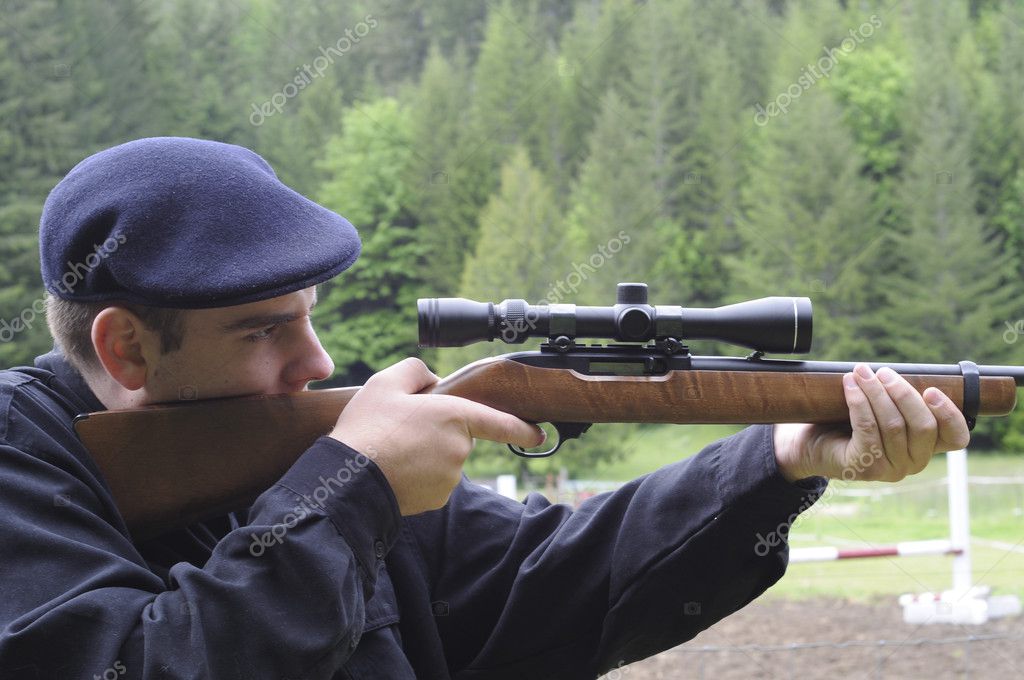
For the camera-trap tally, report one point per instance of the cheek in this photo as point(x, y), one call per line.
point(240, 370)
point(253, 368)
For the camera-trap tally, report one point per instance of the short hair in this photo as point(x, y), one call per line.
point(71, 322)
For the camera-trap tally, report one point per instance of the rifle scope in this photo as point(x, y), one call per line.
point(772, 324)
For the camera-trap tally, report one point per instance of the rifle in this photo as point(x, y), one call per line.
point(171, 465)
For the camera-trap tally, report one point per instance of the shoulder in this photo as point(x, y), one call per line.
point(37, 415)
point(20, 390)
point(42, 460)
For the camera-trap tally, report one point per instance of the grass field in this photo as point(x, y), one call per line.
point(997, 531)
point(997, 514)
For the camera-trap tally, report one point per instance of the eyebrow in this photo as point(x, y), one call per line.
point(264, 320)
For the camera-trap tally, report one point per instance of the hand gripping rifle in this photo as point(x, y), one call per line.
point(171, 465)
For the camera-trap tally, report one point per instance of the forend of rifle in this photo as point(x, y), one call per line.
point(771, 324)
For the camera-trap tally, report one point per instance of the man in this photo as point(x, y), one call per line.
point(180, 268)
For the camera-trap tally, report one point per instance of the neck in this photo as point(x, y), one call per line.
point(111, 394)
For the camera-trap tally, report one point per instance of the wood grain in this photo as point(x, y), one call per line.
point(684, 396)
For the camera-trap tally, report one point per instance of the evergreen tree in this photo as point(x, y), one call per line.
point(510, 82)
point(519, 242)
point(708, 192)
point(456, 24)
point(196, 100)
point(661, 96)
point(367, 316)
point(750, 31)
point(442, 186)
point(942, 307)
point(594, 57)
point(106, 50)
point(999, 141)
point(36, 148)
point(614, 224)
point(518, 256)
point(294, 142)
point(949, 297)
point(809, 227)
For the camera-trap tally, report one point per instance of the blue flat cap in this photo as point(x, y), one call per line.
point(189, 223)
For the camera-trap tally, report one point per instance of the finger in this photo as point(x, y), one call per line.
point(865, 435)
point(485, 422)
point(921, 425)
point(408, 376)
point(952, 426)
point(889, 423)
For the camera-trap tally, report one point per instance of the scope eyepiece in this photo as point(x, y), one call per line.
point(772, 324)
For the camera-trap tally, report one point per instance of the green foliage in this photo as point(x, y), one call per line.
point(615, 214)
point(368, 315)
point(35, 144)
point(446, 195)
point(512, 81)
point(807, 177)
point(518, 253)
point(871, 87)
point(1012, 438)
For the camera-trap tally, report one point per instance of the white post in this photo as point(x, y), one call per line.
point(507, 486)
point(959, 519)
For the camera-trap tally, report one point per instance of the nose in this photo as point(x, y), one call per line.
point(311, 362)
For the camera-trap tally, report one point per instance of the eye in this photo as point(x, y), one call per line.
point(264, 334)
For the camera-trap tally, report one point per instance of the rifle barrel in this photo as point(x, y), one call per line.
point(710, 363)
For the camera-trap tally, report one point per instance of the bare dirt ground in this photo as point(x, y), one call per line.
point(838, 640)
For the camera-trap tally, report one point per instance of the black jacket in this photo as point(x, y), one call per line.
point(343, 587)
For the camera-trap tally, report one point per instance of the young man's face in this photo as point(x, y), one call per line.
point(265, 347)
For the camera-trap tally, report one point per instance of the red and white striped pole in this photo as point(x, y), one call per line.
point(902, 549)
point(958, 543)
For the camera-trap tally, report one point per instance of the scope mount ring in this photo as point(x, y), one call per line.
point(563, 430)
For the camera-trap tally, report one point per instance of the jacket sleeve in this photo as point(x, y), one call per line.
point(281, 597)
point(538, 590)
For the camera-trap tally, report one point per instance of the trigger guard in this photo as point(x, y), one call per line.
point(564, 430)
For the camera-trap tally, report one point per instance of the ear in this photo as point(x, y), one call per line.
point(120, 340)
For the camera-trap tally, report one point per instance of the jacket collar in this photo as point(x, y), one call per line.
point(55, 362)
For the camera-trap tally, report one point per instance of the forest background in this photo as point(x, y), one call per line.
point(868, 155)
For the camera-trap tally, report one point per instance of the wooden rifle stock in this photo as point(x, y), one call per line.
point(171, 465)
